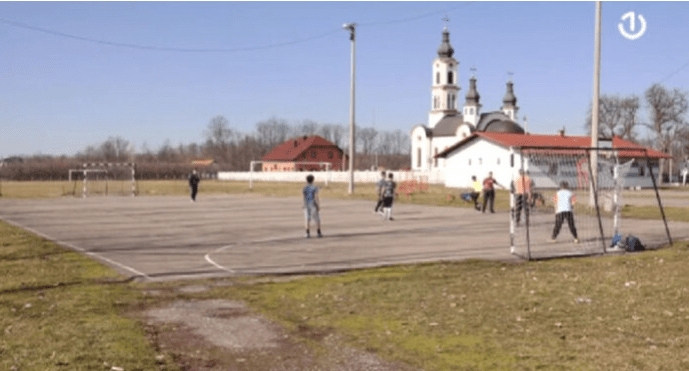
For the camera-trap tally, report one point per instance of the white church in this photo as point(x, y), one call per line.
point(461, 144)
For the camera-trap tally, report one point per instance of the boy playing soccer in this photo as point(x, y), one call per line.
point(379, 187)
point(311, 202)
point(564, 200)
point(388, 195)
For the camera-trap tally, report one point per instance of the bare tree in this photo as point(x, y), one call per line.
point(307, 128)
point(366, 137)
point(338, 133)
point(219, 138)
point(272, 132)
point(667, 114)
point(617, 116)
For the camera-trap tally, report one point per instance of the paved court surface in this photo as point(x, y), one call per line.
point(159, 238)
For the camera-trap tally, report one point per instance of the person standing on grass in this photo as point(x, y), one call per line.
point(311, 206)
point(489, 191)
point(194, 184)
point(564, 201)
point(477, 189)
point(388, 195)
point(521, 187)
point(379, 188)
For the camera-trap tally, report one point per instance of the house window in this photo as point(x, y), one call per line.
point(418, 157)
point(330, 154)
point(313, 154)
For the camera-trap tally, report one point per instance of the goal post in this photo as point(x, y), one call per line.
point(596, 207)
point(325, 166)
point(107, 178)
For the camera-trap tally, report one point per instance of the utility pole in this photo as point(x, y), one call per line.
point(596, 101)
point(351, 28)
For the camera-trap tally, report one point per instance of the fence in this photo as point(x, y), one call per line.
point(333, 176)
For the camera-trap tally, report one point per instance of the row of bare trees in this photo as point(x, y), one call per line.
point(232, 150)
point(666, 125)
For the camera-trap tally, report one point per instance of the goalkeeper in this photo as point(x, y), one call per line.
point(564, 201)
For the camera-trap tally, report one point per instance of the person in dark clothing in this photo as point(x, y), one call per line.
point(387, 193)
point(194, 184)
point(379, 187)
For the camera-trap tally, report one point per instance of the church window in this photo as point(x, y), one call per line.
point(435, 159)
point(480, 161)
point(418, 138)
point(498, 160)
point(418, 157)
point(437, 77)
point(448, 101)
point(450, 78)
point(471, 110)
point(469, 162)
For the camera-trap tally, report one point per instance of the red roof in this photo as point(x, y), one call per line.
point(548, 142)
point(293, 148)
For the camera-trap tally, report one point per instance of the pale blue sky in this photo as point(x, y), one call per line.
point(59, 94)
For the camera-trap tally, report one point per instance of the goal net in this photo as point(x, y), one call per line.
point(539, 173)
point(105, 179)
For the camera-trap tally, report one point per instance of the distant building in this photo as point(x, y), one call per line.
point(461, 143)
point(11, 160)
point(297, 155)
point(484, 152)
point(446, 124)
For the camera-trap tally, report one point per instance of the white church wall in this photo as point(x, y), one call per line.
point(477, 159)
point(419, 142)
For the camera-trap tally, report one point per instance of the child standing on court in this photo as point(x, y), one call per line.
point(564, 200)
point(311, 208)
point(379, 187)
point(388, 195)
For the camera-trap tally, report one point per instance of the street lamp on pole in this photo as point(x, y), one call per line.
point(351, 27)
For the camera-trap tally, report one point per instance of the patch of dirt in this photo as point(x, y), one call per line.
point(225, 335)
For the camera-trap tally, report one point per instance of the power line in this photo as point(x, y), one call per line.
point(166, 49)
point(676, 72)
point(410, 19)
point(219, 50)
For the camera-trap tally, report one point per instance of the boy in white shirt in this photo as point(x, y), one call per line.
point(564, 200)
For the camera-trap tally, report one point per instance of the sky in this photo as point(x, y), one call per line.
point(73, 74)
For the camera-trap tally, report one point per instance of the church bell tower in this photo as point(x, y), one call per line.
point(445, 87)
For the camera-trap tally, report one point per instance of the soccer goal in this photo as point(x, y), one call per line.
point(596, 205)
point(275, 171)
point(105, 179)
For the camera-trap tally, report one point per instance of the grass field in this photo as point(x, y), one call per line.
point(60, 310)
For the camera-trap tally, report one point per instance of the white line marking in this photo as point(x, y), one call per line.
point(74, 247)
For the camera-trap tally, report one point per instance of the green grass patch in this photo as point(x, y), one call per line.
point(60, 310)
point(610, 313)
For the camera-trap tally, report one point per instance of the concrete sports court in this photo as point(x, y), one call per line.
point(159, 238)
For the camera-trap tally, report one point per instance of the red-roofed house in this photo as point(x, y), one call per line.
point(290, 155)
point(483, 152)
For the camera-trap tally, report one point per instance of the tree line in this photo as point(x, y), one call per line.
point(231, 150)
point(665, 120)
